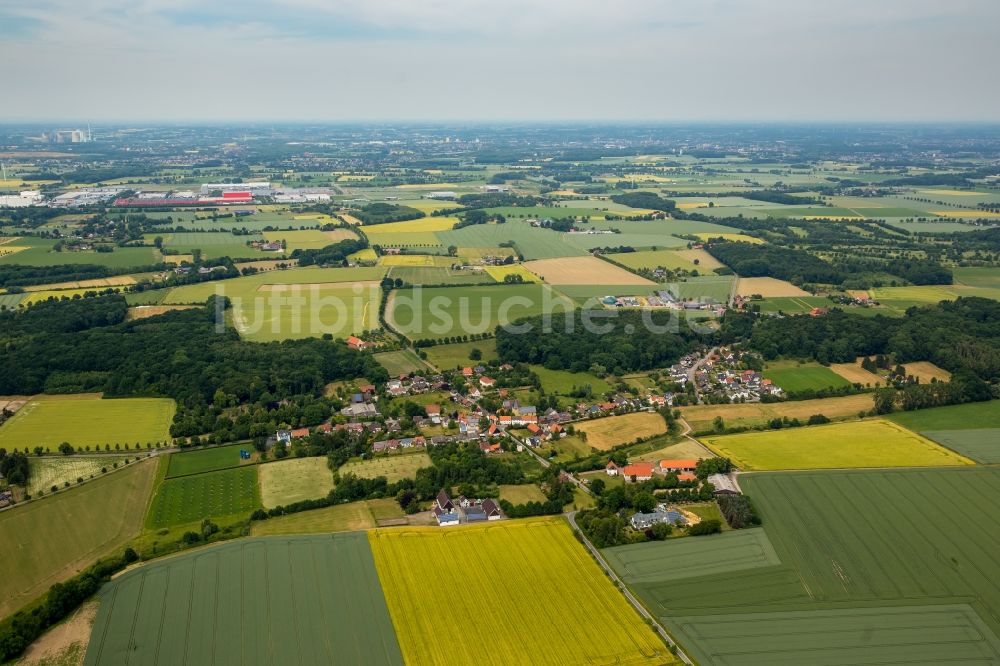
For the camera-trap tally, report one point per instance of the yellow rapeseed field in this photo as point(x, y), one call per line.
point(421, 224)
point(869, 443)
point(512, 592)
point(498, 273)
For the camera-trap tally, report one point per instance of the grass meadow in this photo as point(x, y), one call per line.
point(394, 466)
point(87, 420)
point(53, 538)
point(189, 499)
point(205, 460)
point(607, 433)
point(293, 480)
point(807, 377)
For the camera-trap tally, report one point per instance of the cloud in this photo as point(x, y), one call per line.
point(519, 59)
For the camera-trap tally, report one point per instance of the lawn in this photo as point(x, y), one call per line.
point(806, 377)
point(522, 494)
point(294, 600)
point(393, 466)
point(872, 568)
point(445, 312)
point(402, 362)
point(293, 480)
point(870, 443)
point(52, 539)
point(607, 433)
point(701, 417)
point(517, 573)
point(206, 460)
point(87, 420)
point(188, 499)
point(456, 355)
point(563, 382)
point(55, 470)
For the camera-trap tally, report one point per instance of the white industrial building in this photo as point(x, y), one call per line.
point(25, 198)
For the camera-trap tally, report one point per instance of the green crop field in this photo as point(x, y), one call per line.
point(40, 252)
point(870, 443)
point(52, 539)
point(650, 259)
point(205, 460)
point(445, 312)
point(955, 417)
point(188, 499)
point(293, 600)
point(676, 559)
point(455, 355)
point(86, 420)
point(213, 244)
point(294, 480)
point(715, 287)
point(871, 568)
point(796, 379)
point(982, 445)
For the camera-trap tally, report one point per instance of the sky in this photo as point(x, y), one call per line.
point(500, 60)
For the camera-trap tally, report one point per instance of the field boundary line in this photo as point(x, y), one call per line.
point(676, 649)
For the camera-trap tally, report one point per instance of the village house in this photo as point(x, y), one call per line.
point(640, 471)
point(611, 469)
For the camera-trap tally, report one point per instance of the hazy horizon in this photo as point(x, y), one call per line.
point(565, 61)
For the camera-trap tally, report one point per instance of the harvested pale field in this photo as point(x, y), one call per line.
point(178, 259)
point(607, 433)
point(146, 311)
point(583, 270)
point(768, 288)
point(350, 219)
point(118, 281)
point(430, 260)
point(350, 517)
point(925, 371)
point(8, 239)
point(10, 249)
point(854, 373)
point(700, 417)
point(64, 644)
point(444, 223)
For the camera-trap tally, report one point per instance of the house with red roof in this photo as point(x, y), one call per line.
point(640, 471)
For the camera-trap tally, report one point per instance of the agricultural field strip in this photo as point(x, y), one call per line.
point(685, 558)
point(518, 570)
point(261, 601)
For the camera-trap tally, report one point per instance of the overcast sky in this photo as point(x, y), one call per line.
point(651, 60)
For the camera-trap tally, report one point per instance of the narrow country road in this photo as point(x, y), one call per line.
point(571, 517)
